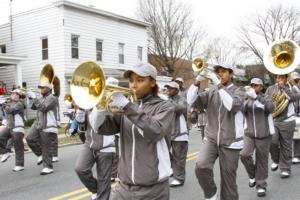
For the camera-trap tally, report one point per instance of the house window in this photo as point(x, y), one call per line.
point(99, 49)
point(3, 48)
point(44, 48)
point(140, 53)
point(75, 46)
point(121, 53)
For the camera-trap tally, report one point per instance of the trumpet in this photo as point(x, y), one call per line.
point(5, 100)
point(201, 68)
point(88, 88)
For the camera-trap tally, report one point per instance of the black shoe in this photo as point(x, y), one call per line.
point(252, 183)
point(261, 192)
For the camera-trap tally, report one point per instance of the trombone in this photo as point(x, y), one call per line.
point(88, 88)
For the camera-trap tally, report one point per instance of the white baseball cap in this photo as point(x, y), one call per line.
point(142, 69)
point(47, 85)
point(179, 79)
point(172, 85)
point(112, 81)
point(295, 75)
point(256, 81)
point(223, 65)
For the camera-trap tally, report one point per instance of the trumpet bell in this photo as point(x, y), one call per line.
point(282, 57)
point(197, 64)
point(88, 84)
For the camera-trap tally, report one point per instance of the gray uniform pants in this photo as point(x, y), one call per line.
point(54, 146)
point(84, 164)
point(40, 143)
point(10, 144)
point(159, 191)
point(178, 159)
point(17, 140)
point(281, 146)
point(228, 160)
point(297, 148)
point(114, 172)
point(259, 169)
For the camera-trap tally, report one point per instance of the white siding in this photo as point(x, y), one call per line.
point(5, 37)
point(28, 28)
point(91, 27)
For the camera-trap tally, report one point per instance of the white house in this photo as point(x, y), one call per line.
point(65, 34)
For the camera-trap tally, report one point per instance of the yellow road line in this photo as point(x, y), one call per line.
point(85, 192)
point(69, 194)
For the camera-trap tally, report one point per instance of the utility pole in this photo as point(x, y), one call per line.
point(10, 17)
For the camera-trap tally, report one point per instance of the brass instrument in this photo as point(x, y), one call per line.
point(4, 100)
point(48, 76)
point(68, 99)
point(88, 88)
point(281, 57)
point(201, 68)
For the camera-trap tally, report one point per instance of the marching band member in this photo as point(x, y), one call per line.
point(179, 135)
point(281, 146)
point(14, 129)
point(144, 165)
point(223, 133)
point(96, 149)
point(295, 77)
point(43, 131)
point(182, 90)
point(258, 110)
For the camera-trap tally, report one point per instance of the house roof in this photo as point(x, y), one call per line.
point(100, 12)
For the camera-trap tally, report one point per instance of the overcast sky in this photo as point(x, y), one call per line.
point(219, 17)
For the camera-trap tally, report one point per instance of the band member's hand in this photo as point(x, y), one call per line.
point(274, 96)
point(281, 84)
point(198, 80)
point(31, 95)
point(214, 78)
point(251, 93)
point(119, 100)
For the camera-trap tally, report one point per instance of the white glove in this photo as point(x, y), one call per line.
point(214, 78)
point(251, 93)
point(200, 78)
point(80, 116)
point(119, 100)
point(31, 95)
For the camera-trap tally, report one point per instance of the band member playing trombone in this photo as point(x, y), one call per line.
point(43, 131)
point(295, 80)
point(14, 129)
point(223, 133)
point(258, 110)
point(179, 134)
point(284, 121)
point(144, 166)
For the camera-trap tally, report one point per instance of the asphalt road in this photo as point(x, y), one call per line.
point(64, 184)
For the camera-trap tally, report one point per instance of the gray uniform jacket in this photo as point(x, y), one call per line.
point(225, 119)
point(15, 116)
point(257, 113)
point(46, 107)
point(180, 105)
point(143, 129)
point(96, 141)
point(293, 95)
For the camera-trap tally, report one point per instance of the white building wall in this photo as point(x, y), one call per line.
point(111, 31)
point(28, 28)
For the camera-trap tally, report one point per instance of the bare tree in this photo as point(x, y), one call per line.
point(276, 23)
point(171, 33)
point(220, 50)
